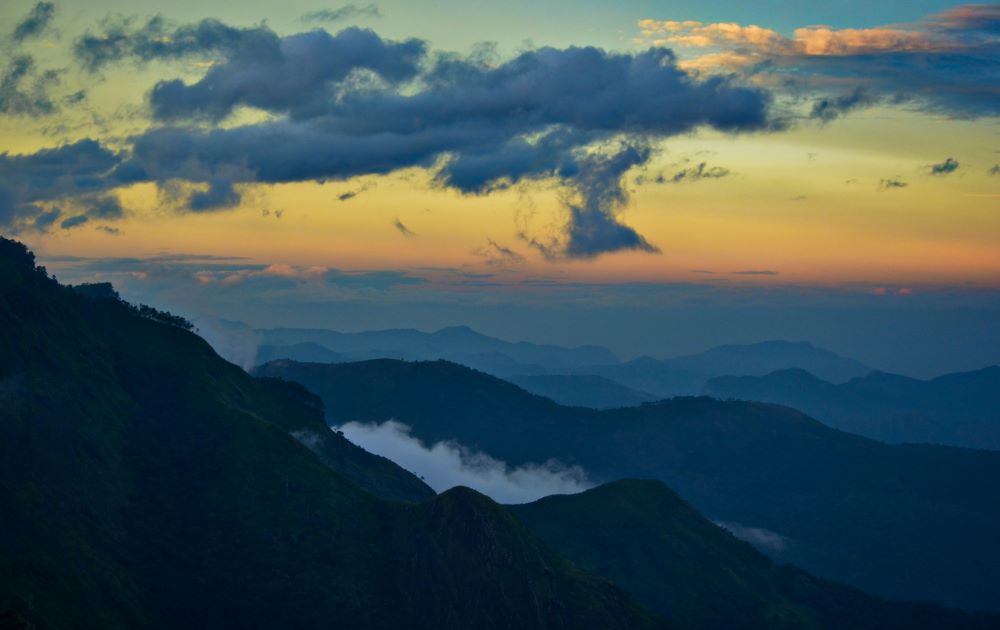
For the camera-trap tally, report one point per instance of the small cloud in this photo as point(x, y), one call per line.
point(694, 174)
point(828, 109)
point(498, 255)
point(763, 539)
point(346, 12)
point(107, 229)
point(891, 183)
point(73, 222)
point(950, 165)
point(351, 194)
point(853, 180)
point(799, 198)
point(405, 231)
point(995, 170)
point(702, 271)
point(756, 272)
point(37, 20)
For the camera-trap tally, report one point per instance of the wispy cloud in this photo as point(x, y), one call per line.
point(445, 465)
point(891, 183)
point(346, 12)
point(402, 229)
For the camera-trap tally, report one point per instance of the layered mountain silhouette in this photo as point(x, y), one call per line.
point(904, 521)
point(582, 390)
point(588, 376)
point(147, 483)
point(961, 409)
point(647, 539)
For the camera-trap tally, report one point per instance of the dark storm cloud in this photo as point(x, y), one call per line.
point(950, 165)
point(346, 12)
point(297, 75)
point(78, 170)
point(353, 104)
point(35, 23)
point(220, 194)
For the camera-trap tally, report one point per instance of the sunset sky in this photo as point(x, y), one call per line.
point(640, 169)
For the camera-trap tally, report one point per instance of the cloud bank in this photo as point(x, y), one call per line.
point(446, 464)
point(949, 62)
point(354, 103)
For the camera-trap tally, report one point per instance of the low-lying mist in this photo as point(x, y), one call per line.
point(445, 465)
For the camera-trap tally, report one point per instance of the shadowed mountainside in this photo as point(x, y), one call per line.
point(849, 508)
point(961, 409)
point(147, 483)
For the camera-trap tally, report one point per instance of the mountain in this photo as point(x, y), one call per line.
point(596, 392)
point(645, 538)
point(960, 409)
point(460, 344)
point(842, 506)
point(147, 483)
point(306, 351)
point(687, 375)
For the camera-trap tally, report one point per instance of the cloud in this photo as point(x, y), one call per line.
point(994, 170)
point(763, 539)
point(352, 103)
point(947, 62)
point(756, 272)
point(25, 92)
point(300, 75)
point(833, 107)
point(35, 23)
point(695, 173)
point(445, 465)
point(29, 182)
point(891, 183)
point(402, 229)
point(73, 222)
point(120, 40)
point(346, 12)
point(498, 255)
point(220, 194)
point(950, 165)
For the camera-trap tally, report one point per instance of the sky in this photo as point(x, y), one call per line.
point(657, 177)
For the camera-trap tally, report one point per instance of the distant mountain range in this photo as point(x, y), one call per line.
point(639, 380)
point(147, 483)
point(847, 507)
point(958, 409)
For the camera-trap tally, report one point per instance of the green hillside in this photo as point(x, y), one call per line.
point(146, 483)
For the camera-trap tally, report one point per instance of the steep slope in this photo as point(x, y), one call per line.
point(647, 539)
point(960, 409)
point(146, 483)
point(595, 392)
point(849, 508)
